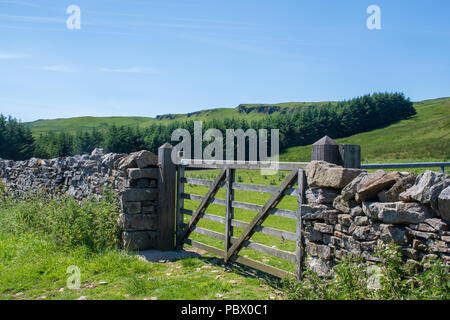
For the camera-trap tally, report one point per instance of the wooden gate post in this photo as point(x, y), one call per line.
point(299, 252)
point(325, 149)
point(346, 155)
point(166, 199)
point(350, 156)
point(229, 213)
point(180, 206)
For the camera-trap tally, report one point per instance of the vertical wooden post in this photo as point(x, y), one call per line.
point(299, 247)
point(325, 149)
point(229, 213)
point(350, 155)
point(180, 204)
point(166, 199)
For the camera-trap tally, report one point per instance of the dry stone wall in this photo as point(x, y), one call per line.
point(350, 211)
point(133, 177)
point(80, 176)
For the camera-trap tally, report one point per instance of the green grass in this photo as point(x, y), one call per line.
point(34, 267)
point(88, 123)
point(40, 238)
point(425, 137)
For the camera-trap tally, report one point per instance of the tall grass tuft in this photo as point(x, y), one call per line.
point(91, 223)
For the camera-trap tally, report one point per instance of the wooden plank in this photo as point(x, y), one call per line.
point(202, 182)
point(241, 186)
point(204, 246)
point(262, 188)
point(196, 197)
point(180, 204)
point(286, 255)
point(261, 216)
point(242, 260)
point(263, 267)
point(248, 165)
point(286, 235)
point(274, 211)
point(203, 205)
point(244, 205)
point(229, 212)
point(299, 250)
point(209, 233)
point(206, 216)
point(166, 198)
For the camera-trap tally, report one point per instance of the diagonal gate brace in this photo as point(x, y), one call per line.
point(262, 215)
point(203, 205)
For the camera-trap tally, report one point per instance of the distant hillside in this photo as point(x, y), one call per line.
point(423, 137)
point(243, 111)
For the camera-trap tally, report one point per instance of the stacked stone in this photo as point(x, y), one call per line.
point(133, 176)
point(352, 212)
point(80, 176)
point(139, 201)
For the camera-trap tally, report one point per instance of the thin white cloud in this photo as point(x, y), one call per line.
point(129, 70)
point(55, 68)
point(20, 3)
point(31, 19)
point(11, 56)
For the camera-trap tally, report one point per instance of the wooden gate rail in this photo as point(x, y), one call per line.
point(204, 204)
point(262, 215)
point(243, 205)
point(233, 245)
point(282, 234)
point(240, 186)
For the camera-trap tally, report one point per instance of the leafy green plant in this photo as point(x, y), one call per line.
point(397, 280)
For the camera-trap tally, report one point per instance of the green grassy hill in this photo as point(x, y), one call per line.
point(424, 137)
point(247, 111)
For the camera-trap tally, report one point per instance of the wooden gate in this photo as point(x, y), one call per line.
point(232, 245)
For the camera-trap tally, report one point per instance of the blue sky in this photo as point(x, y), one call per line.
point(144, 58)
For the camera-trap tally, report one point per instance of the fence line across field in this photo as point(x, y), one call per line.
point(440, 165)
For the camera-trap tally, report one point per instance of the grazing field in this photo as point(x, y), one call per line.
point(425, 137)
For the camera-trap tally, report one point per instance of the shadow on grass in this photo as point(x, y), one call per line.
point(244, 271)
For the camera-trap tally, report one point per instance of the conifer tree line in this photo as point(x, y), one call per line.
point(304, 126)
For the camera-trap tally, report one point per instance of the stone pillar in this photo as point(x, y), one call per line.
point(139, 218)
